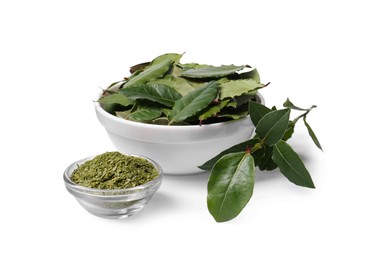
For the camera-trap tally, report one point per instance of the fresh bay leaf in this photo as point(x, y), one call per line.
point(245, 98)
point(291, 165)
point(115, 98)
point(152, 72)
point(289, 131)
point(154, 92)
point(257, 111)
point(211, 71)
point(312, 134)
point(266, 163)
point(289, 104)
point(234, 88)
point(273, 125)
point(241, 147)
point(230, 185)
point(193, 102)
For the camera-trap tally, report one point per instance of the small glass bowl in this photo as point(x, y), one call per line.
point(116, 204)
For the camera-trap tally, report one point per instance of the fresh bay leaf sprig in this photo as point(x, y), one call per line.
point(231, 182)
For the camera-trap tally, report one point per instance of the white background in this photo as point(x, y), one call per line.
point(54, 56)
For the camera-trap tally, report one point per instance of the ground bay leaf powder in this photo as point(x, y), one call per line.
point(113, 170)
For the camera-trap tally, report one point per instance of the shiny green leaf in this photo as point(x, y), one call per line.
point(257, 111)
point(207, 166)
point(273, 125)
point(291, 165)
point(230, 185)
point(266, 163)
point(312, 134)
point(289, 131)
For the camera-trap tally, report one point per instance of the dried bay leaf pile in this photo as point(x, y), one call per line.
point(167, 92)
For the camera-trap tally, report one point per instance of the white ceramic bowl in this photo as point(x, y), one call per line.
point(178, 149)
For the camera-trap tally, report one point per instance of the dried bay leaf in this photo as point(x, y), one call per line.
point(211, 71)
point(193, 102)
point(145, 113)
point(115, 98)
point(154, 92)
point(179, 84)
point(234, 88)
point(150, 73)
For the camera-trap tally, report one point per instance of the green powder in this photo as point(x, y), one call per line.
point(113, 170)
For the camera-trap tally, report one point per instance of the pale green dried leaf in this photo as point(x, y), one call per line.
point(193, 102)
point(154, 92)
point(236, 88)
point(115, 98)
point(211, 71)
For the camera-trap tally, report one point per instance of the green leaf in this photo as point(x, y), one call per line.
point(266, 163)
point(289, 131)
point(230, 185)
point(193, 102)
point(173, 57)
point(235, 88)
point(123, 114)
point(291, 165)
point(245, 98)
point(207, 166)
point(211, 71)
point(273, 125)
point(154, 92)
point(179, 84)
point(312, 134)
point(257, 111)
point(289, 104)
point(137, 67)
point(213, 110)
point(115, 98)
point(253, 74)
point(145, 113)
point(150, 73)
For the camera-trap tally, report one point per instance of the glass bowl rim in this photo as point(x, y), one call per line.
point(110, 192)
